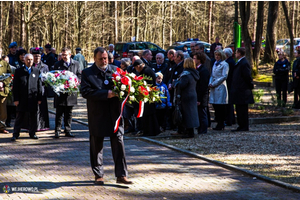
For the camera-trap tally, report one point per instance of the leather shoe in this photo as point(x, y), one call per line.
point(34, 137)
point(240, 129)
point(99, 181)
point(68, 134)
point(124, 180)
point(57, 134)
point(4, 131)
point(13, 138)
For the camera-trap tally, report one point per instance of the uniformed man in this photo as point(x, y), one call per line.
point(49, 59)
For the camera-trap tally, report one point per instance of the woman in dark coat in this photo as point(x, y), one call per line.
point(281, 70)
point(186, 85)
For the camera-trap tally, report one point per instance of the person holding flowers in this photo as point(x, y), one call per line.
point(149, 120)
point(65, 101)
point(104, 109)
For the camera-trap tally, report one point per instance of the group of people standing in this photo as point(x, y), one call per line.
point(29, 95)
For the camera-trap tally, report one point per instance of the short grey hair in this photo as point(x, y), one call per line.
point(161, 54)
point(201, 46)
point(145, 52)
point(228, 52)
point(126, 61)
point(29, 54)
point(110, 56)
point(111, 45)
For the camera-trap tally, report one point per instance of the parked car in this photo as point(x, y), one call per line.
point(287, 46)
point(280, 44)
point(122, 48)
point(179, 46)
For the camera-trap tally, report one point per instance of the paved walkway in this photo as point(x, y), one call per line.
point(60, 169)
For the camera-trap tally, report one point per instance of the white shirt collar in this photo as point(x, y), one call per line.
point(240, 59)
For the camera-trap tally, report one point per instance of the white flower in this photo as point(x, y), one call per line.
point(153, 99)
point(123, 87)
point(148, 89)
point(145, 83)
point(118, 78)
point(132, 75)
point(122, 93)
point(131, 98)
point(145, 100)
point(132, 90)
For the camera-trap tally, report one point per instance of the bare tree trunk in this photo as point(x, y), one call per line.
point(245, 16)
point(269, 55)
point(116, 22)
point(255, 19)
point(259, 32)
point(103, 18)
point(171, 22)
point(209, 21)
point(122, 21)
point(1, 21)
point(290, 28)
point(136, 21)
point(12, 21)
point(163, 23)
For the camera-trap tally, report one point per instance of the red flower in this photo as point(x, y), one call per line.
point(143, 90)
point(138, 78)
point(125, 80)
point(121, 72)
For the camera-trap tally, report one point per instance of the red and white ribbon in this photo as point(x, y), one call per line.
point(141, 109)
point(122, 107)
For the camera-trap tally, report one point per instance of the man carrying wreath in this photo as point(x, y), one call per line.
point(104, 108)
point(64, 102)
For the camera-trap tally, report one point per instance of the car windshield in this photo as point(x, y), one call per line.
point(140, 46)
point(119, 47)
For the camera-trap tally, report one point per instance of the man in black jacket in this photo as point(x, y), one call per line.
point(64, 102)
point(160, 66)
point(27, 94)
point(103, 108)
point(296, 79)
point(49, 59)
point(202, 92)
point(147, 58)
point(241, 89)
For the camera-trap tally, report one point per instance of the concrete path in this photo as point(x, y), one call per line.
point(51, 168)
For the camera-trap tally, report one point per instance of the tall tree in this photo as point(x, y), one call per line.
point(259, 33)
point(245, 8)
point(290, 28)
point(116, 22)
point(269, 55)
point(210, 5)
point(12, 21)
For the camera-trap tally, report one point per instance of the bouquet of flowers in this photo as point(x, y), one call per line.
point(134, 88)
point(61, 81)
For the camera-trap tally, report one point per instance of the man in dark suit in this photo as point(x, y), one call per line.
point(147, 57)
point(171, 63)
point(113, 61)
point(213, 47)
point(149, 120)
point(27, 94)
point(202, 92)
point(241, 89)
point(49, 59)
point(103, 108)
point(160, 65)
point(64, 102)
point(230, 117)
point(199, 48)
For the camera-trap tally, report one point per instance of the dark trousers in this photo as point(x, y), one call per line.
point(242, 116)
point(118, 153)
point(220, 114)
point(128, 115)
point(11, 111)
point(230, 118)
point(161, 117)
point(296, 95)
point(67, 112)
point(203, 119)
point(281, 87)
point(20, 117)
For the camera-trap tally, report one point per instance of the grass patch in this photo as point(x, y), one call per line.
point(263, 78)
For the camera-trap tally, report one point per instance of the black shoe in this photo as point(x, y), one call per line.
point(57, 134)
point(8, 125)
point(13, 138)
point(99, 181)
point(240, 129)
point(218, 128)
point(188, 136)
point(68, 134)
point(34, 137)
